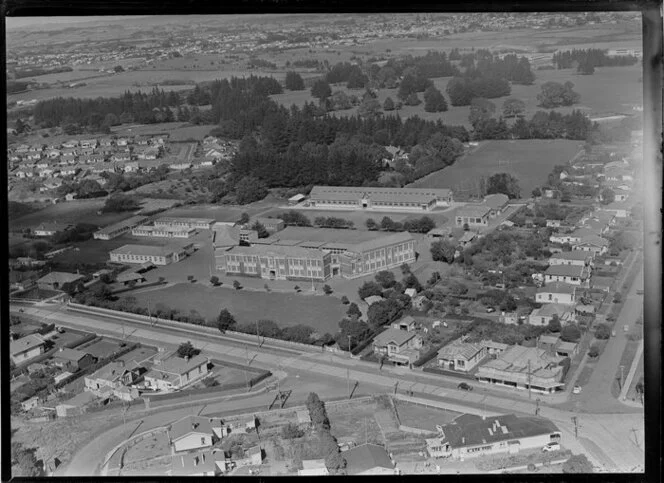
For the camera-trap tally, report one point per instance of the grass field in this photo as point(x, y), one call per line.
point(421, 417)
point(529, 160)
point(356, 423)
point(178, 131)
point(321, 313)
point(77, 211)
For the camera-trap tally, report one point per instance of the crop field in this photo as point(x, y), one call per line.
point(529, 160)
point(321, 313)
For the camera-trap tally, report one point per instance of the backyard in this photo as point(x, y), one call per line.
point(355, 423)
point(422, 417)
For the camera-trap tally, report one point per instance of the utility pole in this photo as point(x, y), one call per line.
point(636, 438)
point(529, 390)
point(349, 352)
point(246, 381)
point(348, 381)
point(622, 376)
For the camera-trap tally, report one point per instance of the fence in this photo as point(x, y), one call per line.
point(443, 372)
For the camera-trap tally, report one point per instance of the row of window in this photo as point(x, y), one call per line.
point(467, 219)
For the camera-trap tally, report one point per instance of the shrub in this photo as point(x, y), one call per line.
point(291, 431)
point(344, 300)
point(593, 351)
point(602, 331)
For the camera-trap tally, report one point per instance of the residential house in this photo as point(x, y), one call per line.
point(467, 238)
point(548, 342)
point(420, 303)
point(210, 140)
point(73, 360)
point(72, 143)
point(53, 153)
point(605, 284)
point(470, 436)
point(142, 140)
point(574, 257)
point(175, 372)
point(411, 292)
point(46, 172)
point(547, 312)
point(510, 318)
point(520, 367)
point(572, 274)
point(494, 348)
point(567, 349)
point(460, 355)
point(373, 299)
point(400, 346)
point(131, 167)
point(313, 468)
point(592, 243)
point(122, 141)
point(106, 142)
point(201, 463)
point(192, 432)
point(551, 223)
point(86, 151)
point(180, 165)
point(26, 348)
point(121, 157)
point(368, 459)
point(619, 209)
point(59, 280)
point(243, 425)
point(557, 293)
point(112, 376)
point(31, 403)
point(126, 393)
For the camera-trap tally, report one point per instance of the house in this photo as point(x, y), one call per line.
point(313, 468)
point(574, 257)
point(497, 203)
point(59, 280)
point(520, 367)
point(242, 425)
point(547, 312)
point(473, 215)
point(75, 405)
point(411, 292)
point(129, 276)
point(467, 238)
point(294, 200)
point(121, 157)
point(510, 318)
point(131, 167)
point(548, 342)
point(470, 436)
point(201, 463)
point(618, 208)
point(592, 243)
point(31, 403)
point(122, 141)
point(553, 223)
point(460, 355)
point(26, 348)
point(178, 165)
point(407, 324)
point(191, 432)
point(400, 346)
point(567, 349)
point(73, 143)
point(557, 293)
point(106, 142)
point(494, 348)
point(175, 372)
point(368, 459)
point(50, 229)
point(125, 393)
point(72, 360)
point(112, 376)
point(572, 274)
point(604, 284)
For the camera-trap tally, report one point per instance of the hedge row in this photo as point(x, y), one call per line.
point(365, 343)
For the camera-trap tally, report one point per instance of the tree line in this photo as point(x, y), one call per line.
point(585, 60)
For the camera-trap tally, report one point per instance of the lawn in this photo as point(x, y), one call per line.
point(355, 423)
point(421, 417)
point(320, 312)
point(101, 348)
point(77, 211)
point(529, 160)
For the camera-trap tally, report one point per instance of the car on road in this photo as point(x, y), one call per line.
point(490, 310)
point(576, 390)
point(551, 447)
point(465, 387)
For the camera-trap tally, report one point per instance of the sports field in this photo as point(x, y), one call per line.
point(530, 161)
point(318, 311)
point(77, 211)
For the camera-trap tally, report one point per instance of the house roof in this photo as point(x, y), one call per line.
point(198, 462)
point(60, 278)
point(567, 346)
point(178, 365)
point(225, 235)
point(515, 360)
point(191, 424)
point(81, 399)
point(565, 270)
point(593, 240)
point(474, 211)
point(278, 250)
point(496, 201)
point(549, 339)
point(128, 276)
point(55, 227)
point(25, 344)
point(69, 354)
point(468, 236)
point(489, 344)
point(147, 250)
point(459, 348)
point(366, 457)
point(558, 287)
point(472, 430)
point(571, 255)
point(110, 372)
point(588, 309)
point(398, 336)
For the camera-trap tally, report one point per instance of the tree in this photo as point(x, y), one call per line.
point(214, 280)
point(385, 278)
point(537, 193)
point(504, 183)
point(602, 332)
point(640, 389)
point(554, 324)
point(225, 321)
point(412, 100)
point(411, 281)
point(294, 81)
point(291, 431)
point(244, 218)
point(593, 351)
point(249, 189)
point(555, 94)
point(118, 68)
point(317, 412)
point(570, 333)
point(607, 196)
point(388, 105)
point(261, 230)
point(120, 202)
point(585, 67)
point(344, 300)
point(368, 289)
point(371, 224)
point(353, 311)
point(237, 285)
point(442, 251)
point(405, 268)
point(434, 100)
point(24, 461)
point(513, 107)
point(577, 463)
point(186, 349)
point(327, 289)
point(321, 90)
point(369, 109)
point(480, 110)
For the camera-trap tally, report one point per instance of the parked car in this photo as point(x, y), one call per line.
point(490, 310)
point(551, 447)
point(576, 390)
point(465, 387)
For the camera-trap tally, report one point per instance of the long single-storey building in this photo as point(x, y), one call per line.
point(379, 199)
point(146, 253)
point(176, 222)
point(117, 229)
point(473, 215)
point(163, 231)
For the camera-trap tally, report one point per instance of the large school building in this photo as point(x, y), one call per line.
point(379, 199)
point(310, 253)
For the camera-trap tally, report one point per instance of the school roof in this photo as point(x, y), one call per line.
point(125, 224)
point(327, 236)
point(366, 457)
point(277, 251)
point(459, 348)
point(473, 430)
point(496, 201)
point(558, 287)
point(25, 344)
point(191, 424)
point(60, 278)
point(55, 227)
point(381, 242)
point(565, 270)
point(398, 336)
point(175, 219)
point(473, 211)
point(350, 193)
point(146, 250)
point(571, 255)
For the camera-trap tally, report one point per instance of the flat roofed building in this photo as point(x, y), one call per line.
point(276, 262)
point(473, 215)
point(117, 229)
point(164, 231)
point(146, 253)
point(197, 223)
point(470, 435)
point(385, 199)
point(520, 367)
point(379, 254)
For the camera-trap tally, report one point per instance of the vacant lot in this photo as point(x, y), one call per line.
point(322, 313)
point(529, 160)
point(422, 417)
point(355, 423)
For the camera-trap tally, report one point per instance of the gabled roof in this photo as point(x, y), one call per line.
point(191, 425)
point(60, 278)
point(397, 336)
point(381, 242)
point(25, 344)
point(571, 255)
point(225, 235)
point(198, 462)
point(565, 270)
point(558, 287)
point(178, 365)
point(69, 354)
point(549, 310)
point(365, 457)
point(593, 240)
point(459, 348)
point(477, 211)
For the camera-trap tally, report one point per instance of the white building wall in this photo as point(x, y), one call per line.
point(193, 441)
